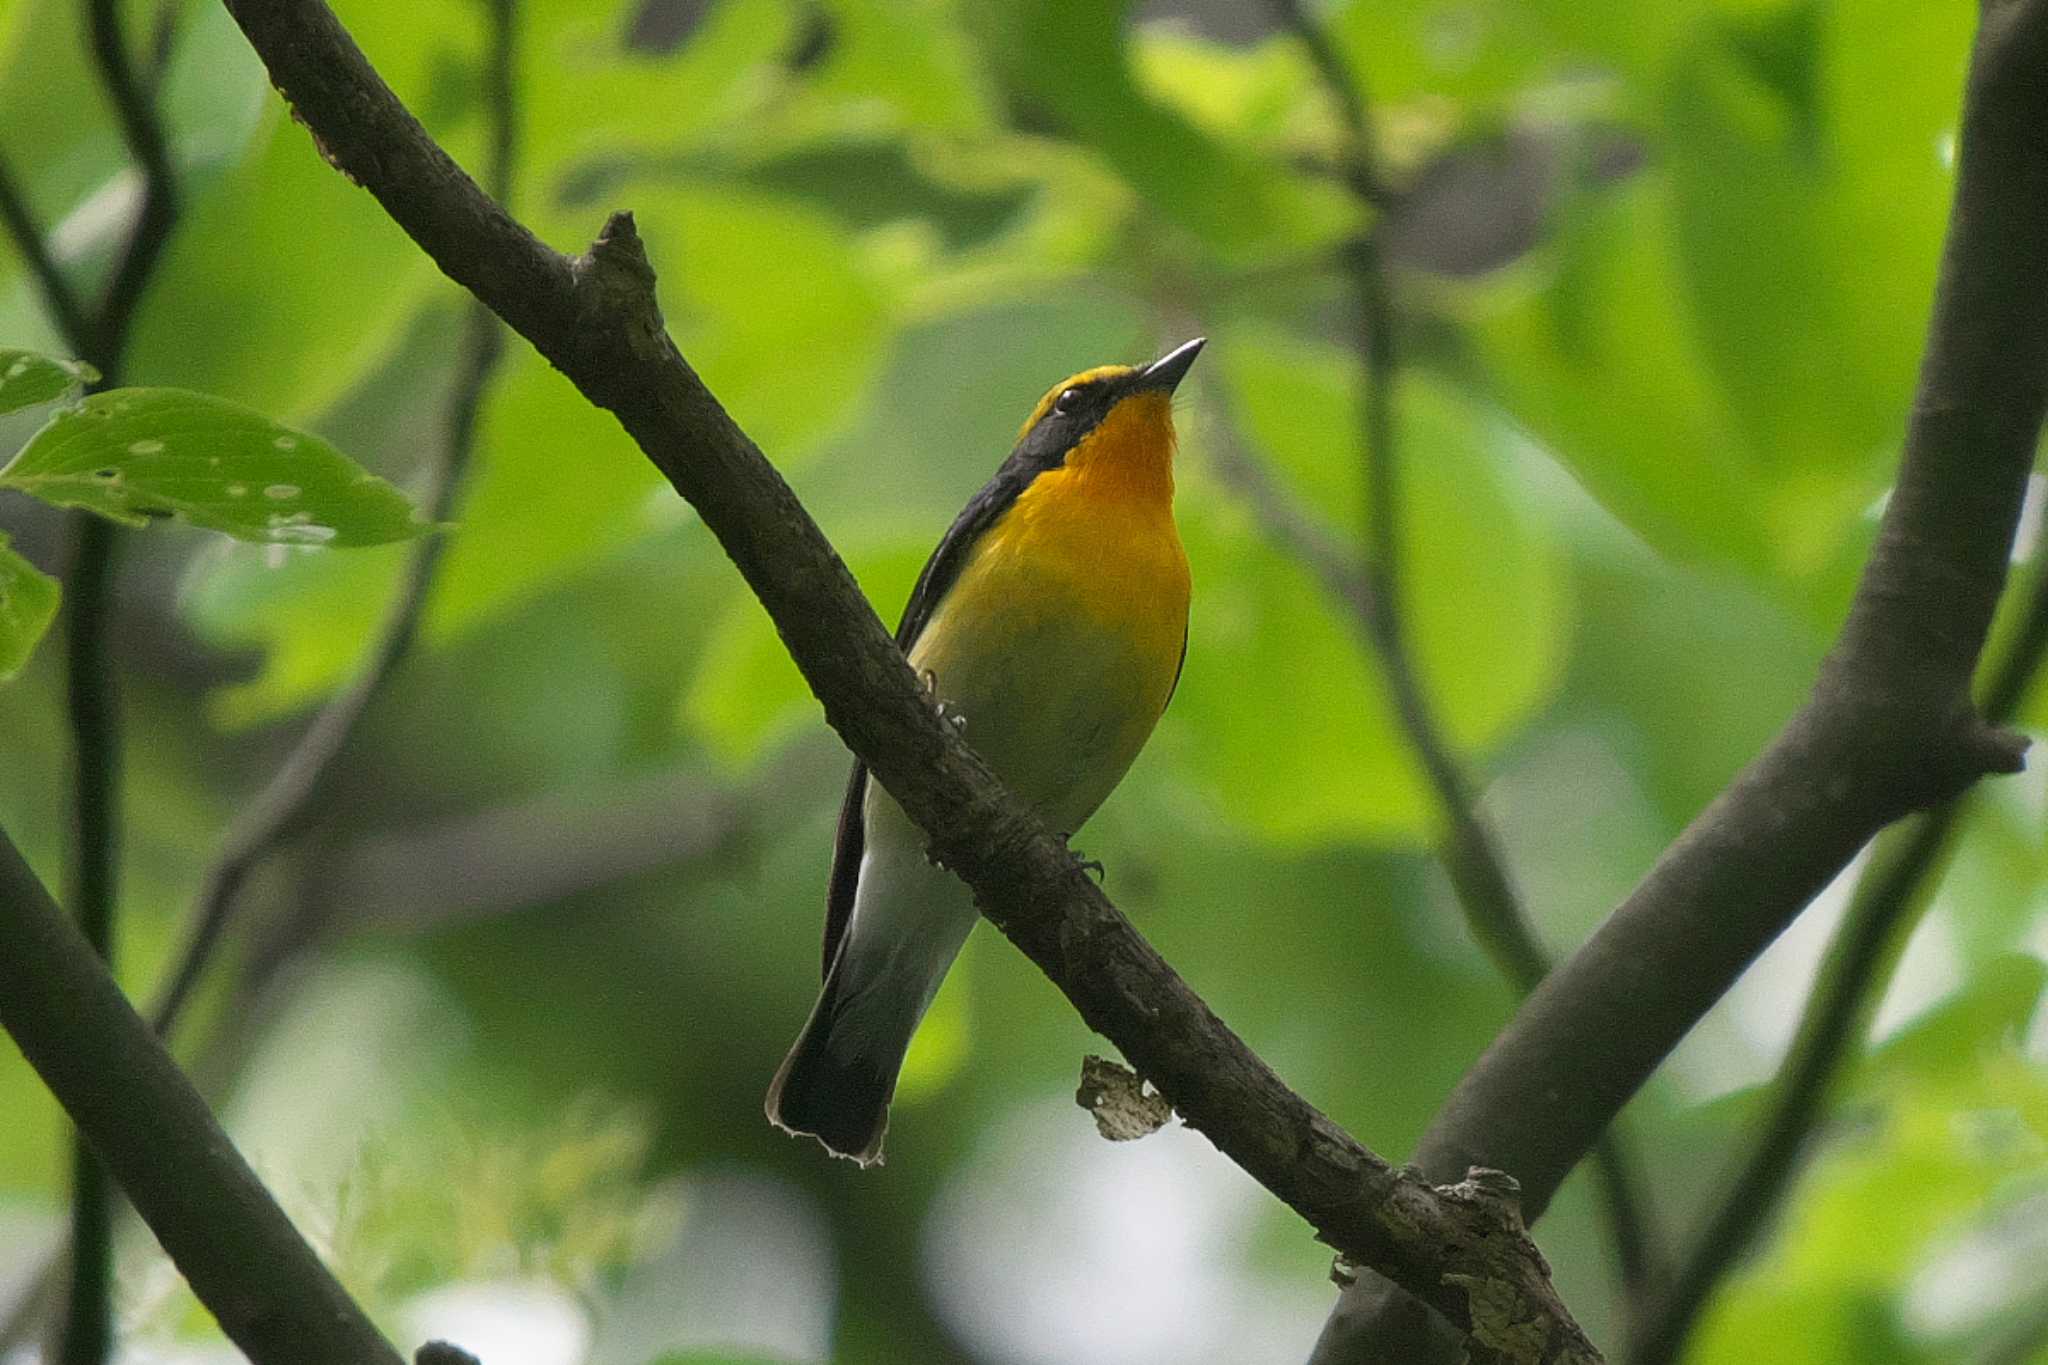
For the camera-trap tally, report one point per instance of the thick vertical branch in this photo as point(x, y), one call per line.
point(1889, 728)
point(92, 710)
point(93, 706)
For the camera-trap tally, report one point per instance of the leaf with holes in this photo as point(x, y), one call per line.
point(136, 454)
point(28, 600)
point(27, 378)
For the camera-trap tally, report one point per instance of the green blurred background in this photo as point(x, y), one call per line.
point(498, 1028)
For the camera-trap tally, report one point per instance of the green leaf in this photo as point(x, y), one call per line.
point(27, 378)
point(1661, 630)
point(584, 96)
point(1945, 1124)
point(1312, 755)
point(1890, 99)
point(1477, 51)
point(1598, 358)
point(134, 454)
point(1990, 1013)
point(1239, 93)
point(60, 134)
point(28, 602)
point(1999, 870)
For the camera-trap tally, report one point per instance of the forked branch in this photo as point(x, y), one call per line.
point(1889, 729)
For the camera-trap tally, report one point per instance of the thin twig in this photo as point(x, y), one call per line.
point(1860, 961)
point(61, 302)
point(163, 41)
point(1359, 159)
point(58, 297)
point(286, 802)
point(143, 132)
point(1471, 860)
point(1470, 853)
point(289, 801)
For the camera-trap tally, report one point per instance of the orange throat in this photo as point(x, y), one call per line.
point(1096, 535)
point(1129, 456)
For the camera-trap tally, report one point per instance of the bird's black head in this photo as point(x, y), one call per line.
point(1078, 405)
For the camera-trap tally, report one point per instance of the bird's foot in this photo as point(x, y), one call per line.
point(943, 708)
point(1086, 863)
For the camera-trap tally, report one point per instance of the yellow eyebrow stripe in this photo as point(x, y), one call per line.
point(1085, 377)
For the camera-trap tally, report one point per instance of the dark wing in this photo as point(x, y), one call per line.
point(846, 851)
point(940, 572)
point(1178, 668)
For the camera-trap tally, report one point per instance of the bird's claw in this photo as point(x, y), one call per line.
point(1085, 863)
point(940, 705)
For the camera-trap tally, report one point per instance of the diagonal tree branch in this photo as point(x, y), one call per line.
point(596, 319)
point(1887, 904)
point(240, 1253)
point(1470, 852)
point(1888, 729)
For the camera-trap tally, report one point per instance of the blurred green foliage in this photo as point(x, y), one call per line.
point(1663, 272)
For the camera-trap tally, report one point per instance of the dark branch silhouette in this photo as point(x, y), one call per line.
point(218, 1224)
point(1853, 976)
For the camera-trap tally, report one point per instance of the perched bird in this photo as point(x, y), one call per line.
point(1050, 623)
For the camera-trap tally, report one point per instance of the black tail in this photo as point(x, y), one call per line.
point(836, 1090)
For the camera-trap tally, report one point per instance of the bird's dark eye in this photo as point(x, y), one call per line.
point(1065, 402)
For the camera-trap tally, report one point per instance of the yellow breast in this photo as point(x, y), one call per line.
point(1097, 536)
point(1061, 639)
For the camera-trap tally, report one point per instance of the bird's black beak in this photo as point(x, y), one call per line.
point(1167, 371)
